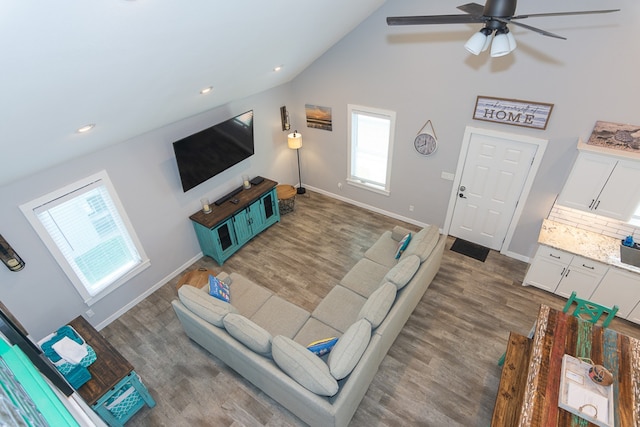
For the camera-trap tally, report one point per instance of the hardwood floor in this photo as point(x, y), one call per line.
point(441, 371)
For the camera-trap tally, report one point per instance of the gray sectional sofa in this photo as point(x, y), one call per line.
point(264, 337)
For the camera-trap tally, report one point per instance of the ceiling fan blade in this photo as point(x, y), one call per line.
point(434, 19)
point(529, 27)
point(582, 12)
point(474, 9)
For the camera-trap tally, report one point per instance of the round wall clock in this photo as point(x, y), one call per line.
point(426, 143)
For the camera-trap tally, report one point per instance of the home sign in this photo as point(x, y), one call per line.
point(513, 112)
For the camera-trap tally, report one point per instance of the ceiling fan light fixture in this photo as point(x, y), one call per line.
point(500, 45)
point(478, 41)
point(512, 41)
point(487, 43)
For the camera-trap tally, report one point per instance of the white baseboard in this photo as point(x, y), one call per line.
point(148, 292)
point(370, 208)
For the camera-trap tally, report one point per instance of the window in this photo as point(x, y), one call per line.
point(87, 231)
point(370, 147)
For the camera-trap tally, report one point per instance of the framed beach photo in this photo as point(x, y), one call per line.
point(318, 117)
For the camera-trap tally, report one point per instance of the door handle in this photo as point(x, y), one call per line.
point(461, 194)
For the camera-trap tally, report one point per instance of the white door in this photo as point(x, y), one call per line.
point(495, 169)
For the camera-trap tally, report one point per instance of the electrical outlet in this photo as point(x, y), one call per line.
point(410, 208)
point(90, 313)
point(339, 186)
point(447, 175)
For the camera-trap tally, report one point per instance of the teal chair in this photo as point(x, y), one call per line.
point(585, 310)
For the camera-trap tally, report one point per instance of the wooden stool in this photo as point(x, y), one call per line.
point(286, 198)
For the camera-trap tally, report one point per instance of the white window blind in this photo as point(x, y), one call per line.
point(371, 143)
point(87, 231)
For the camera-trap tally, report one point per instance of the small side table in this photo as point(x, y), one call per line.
point(198, 278)
point(286, 198)
point(114, 391)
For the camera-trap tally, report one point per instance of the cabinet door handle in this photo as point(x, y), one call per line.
point(563, 269)
point(591, 204)
point(568, 271)
point(589, 267)
point(596, 206)
point(554, 256)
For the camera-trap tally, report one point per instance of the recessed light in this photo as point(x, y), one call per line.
point(278, 68)
point(86, 128)
point(206, 90)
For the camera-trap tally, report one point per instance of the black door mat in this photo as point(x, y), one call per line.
point(470, 249)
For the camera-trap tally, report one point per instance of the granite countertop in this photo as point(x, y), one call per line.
point(588, 244)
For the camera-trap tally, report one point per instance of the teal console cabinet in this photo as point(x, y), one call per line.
point(229, 226)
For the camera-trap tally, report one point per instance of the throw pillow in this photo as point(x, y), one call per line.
point(379, 304)
point(218, 289)
point(403, 245)
point(248, 333)
point(304, 367)
point(323, 346)
point(403, 272)
point(349, 349)
point(210, 309)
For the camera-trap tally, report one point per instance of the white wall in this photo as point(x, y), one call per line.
point(420, 72)
point(144, 173)
point(423, 72)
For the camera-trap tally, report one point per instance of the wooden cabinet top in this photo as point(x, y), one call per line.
point(109, 368)
point(227, 209)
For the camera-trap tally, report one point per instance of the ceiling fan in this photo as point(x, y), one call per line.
point(495, 15)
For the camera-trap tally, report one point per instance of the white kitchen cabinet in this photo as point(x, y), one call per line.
point(621, 288)
point(562, 273)
point(602, 185)
point(547, 269)
point(583, 276)
point(634, 316)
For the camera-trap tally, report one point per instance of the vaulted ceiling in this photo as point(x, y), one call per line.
point(133, 66)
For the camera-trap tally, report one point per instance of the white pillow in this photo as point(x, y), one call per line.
point(378, 304)
point(349, 349)
point(403, 272)
point(303, 366)
point(204, 305)
point(248, 333)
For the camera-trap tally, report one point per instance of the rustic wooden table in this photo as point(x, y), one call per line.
point(530, 383)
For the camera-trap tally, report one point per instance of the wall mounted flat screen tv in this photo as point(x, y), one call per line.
point(205, 154)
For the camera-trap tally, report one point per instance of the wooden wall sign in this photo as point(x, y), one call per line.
point(513, 112)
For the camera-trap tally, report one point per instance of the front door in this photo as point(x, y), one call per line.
point(493, 175)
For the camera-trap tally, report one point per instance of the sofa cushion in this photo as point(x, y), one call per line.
point(422, 243)
point(384, 250)
point(248, 333)
point(398, 232)
point(403, 272)
point(246, 295)
point(379, 304)
point(303, 366)
point(364, 277)
point(204, 305)
point(340, 308)
point(280, 317)
point(349, 349)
